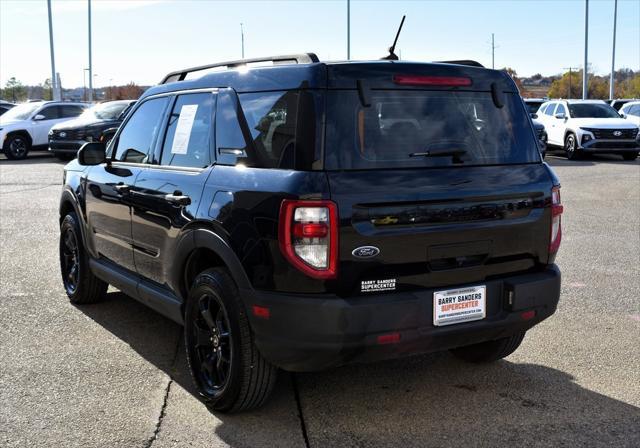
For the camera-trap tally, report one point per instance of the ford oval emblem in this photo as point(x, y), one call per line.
point(365, 252)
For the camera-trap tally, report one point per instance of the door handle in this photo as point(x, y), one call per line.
point(122, 188)
point(177, 198)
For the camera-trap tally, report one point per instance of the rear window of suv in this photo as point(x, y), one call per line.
point(413, 129)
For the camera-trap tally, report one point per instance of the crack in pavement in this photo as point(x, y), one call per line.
point(27, 189)
point(303, 425)
point(165, 402)
point(156, 431)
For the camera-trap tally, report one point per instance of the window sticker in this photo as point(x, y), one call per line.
point(183, 129)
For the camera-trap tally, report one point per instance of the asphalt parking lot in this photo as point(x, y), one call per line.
point(114, 374)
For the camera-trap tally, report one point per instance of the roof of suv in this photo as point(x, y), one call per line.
point(341, 75)
point(580, 101)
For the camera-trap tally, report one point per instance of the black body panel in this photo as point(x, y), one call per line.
point(150, 228)
point(309, 333)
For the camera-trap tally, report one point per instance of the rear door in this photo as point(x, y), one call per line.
point(446, 187)
point(166, 195)
point(108, 201)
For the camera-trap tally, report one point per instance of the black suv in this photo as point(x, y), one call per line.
point(305, 215)
point(96, 124)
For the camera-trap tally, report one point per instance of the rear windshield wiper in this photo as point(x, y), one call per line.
point(439, 153)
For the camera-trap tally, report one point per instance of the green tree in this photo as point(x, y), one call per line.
point(47, 90)
point(629, 88)
point(567, 86)
point(14, 90)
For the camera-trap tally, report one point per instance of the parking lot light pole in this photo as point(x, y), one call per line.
point(585, 73)
point(242, 38)
point(90, 66)
point(54, 84)
point(613, 50)
point(348, 30)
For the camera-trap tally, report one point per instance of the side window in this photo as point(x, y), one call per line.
point(549, 109)
point(561, 110)
point(71, 111)
point(271, 118)
point(542, 108)
point(634, 110)
point(51, 112)
point(135, 143)
point(188, 138)
point(230, 142)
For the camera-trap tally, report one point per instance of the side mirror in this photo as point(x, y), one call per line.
point(534, 116)
point(92, 153)
point(623, 115)
point(39, 117)
point(560, 116)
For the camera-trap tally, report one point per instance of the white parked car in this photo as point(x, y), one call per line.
point(631, 111)
point(589, 126)
point(26, 126)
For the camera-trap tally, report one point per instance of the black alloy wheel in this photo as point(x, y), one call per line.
point(80, 284)
point(17, 147)
point(70, 260)
point(227, 369)
point(213, 345)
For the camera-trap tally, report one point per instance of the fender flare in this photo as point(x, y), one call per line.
point(202, 238)
point(67, 197)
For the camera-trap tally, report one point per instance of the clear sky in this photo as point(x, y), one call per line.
point(140, 40)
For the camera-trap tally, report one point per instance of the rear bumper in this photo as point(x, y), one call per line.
point(315, 332)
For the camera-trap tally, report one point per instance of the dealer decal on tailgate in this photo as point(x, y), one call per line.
point(459, 305)
point(378, 285)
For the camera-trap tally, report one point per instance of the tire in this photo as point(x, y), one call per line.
point(630, 156)
point(17, 147)
point(80, 284)
point(227, 369)
point(489, 351)
point(571, 147)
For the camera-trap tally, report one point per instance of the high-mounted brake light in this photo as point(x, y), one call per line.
point(556, 222)
point(445, 81)
point(308, 236)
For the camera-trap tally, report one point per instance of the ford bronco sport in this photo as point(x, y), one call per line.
point(306, 215)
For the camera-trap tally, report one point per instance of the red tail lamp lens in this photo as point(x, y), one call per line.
point(445, 81)
point(308, 236)
point(556, 221)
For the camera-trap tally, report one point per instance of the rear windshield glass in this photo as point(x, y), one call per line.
point(412, 129)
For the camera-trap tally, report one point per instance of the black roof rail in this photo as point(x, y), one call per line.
point(302, 58)
point(462, 62)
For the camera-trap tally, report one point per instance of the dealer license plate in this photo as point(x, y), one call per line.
point(459, 305)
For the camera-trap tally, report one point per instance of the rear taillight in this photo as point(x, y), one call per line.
point(445, 81)
point(556, 222)
point(308, 234)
